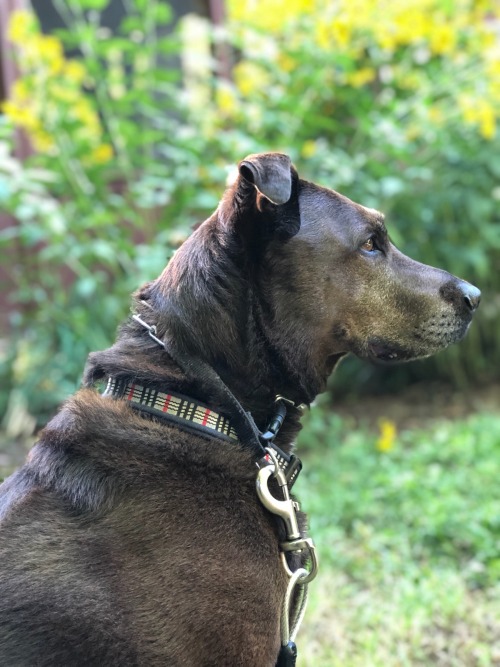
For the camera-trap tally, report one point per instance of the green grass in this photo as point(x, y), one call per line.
point(409, 545)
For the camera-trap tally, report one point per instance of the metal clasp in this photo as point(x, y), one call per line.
point(295, 600)
point(151, 329)
point(299, 406)
point(283, 508)
point(299, 546)
point(287, 510)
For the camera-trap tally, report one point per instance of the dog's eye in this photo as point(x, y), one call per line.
point(369, 245)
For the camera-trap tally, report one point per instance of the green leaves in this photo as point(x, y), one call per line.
point(137, 143)
point(84, 5)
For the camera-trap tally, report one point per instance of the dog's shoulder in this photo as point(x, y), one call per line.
point(97, 450)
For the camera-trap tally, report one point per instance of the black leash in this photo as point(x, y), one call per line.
point(247, 431)
point(243, 422)
point(287, 657)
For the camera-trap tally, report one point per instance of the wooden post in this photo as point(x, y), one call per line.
point(8, 70)
point(222, 50)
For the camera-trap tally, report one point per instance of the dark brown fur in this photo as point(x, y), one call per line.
point(127, 541)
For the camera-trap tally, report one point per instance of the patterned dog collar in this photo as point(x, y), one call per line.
point(172, 407)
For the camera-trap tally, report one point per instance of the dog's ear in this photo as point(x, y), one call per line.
point(270, 174)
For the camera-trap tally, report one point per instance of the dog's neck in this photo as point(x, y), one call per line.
point(209, 305)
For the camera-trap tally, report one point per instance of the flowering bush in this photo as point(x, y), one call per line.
point(114, 163)
point(441, 58)
point(395, 104)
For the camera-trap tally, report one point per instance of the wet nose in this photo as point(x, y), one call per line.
point(472, 296)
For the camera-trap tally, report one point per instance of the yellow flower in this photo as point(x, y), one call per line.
point(341, 32)
point(43, 142)
point(250, 78)
point(21, 25)
point(286, 62)
point(20, 115)
point(386, 38)
point(50, 50)
point(269, 14)
point(75, 71)
point(411, 25)
point(480, 113)
point(323, 35)
point(101, 154)
point(50, 47)
point(309, 148)
point(487, 120)
point(226, 98)
point(385, 441)
point(361, 77)
point(333, 34)
point(84, 113)
point(443, 39)
point(20, 91)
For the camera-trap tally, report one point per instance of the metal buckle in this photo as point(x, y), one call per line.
point(299, 546)
point(300, 406)
point(151, 329)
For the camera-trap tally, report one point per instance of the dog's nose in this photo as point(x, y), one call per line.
point(472, 296)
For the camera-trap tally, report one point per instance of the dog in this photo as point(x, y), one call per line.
point(133, 534)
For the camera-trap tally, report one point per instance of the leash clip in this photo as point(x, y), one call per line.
point(295, 600)
point(283, 508)
point(287, 510)
point(300, 545)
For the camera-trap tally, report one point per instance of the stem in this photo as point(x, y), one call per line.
point(75, 172)
point(78, 18)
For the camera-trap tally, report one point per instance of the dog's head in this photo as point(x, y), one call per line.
point(340, 281)
point(297, 272)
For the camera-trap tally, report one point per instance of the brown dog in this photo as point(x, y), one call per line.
point(130, 539)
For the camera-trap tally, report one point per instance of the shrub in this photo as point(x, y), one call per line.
point(393, 104)
point(116, 165)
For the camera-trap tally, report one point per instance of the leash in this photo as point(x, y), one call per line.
point(274, 465)
point(295, 600)
point(245, 426)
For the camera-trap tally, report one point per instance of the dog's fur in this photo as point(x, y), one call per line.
point(128, 541)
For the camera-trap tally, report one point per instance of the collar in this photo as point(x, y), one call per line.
point(186, 412)
point(198, 417)
point(263, 442)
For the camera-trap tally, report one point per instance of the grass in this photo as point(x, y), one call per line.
point(409, 545)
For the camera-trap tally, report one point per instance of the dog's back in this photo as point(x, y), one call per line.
point(130, 550)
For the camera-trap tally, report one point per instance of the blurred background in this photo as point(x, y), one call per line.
point(120, 124)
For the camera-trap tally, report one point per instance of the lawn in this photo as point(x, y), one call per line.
point(409, 544)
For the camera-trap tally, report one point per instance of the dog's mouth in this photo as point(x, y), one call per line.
point(387, 353)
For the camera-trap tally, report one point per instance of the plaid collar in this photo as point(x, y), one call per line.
point(173, 407)
point(198, 417)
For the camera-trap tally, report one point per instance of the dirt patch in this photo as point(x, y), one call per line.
point(420, 404)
